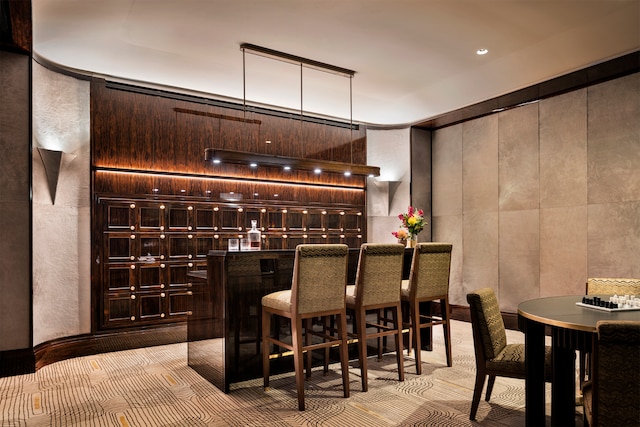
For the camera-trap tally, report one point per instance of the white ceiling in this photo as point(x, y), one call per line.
point(414, 59)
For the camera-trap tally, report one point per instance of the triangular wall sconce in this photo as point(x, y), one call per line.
point(380, 196)
point(52, 160)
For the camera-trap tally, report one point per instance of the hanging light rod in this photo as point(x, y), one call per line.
point(216, 156)
point(293, 59)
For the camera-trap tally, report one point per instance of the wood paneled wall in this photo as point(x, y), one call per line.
point(142, 132)
point(16, 33)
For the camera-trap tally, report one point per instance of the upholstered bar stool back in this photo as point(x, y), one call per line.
point(377, 288)
point(319, 277)
point(317, 290)
point(428, 281)
point(431, 266)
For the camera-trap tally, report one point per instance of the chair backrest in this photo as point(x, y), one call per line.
point(430, 268)
point(617, 373)
point(488, 327)
point(319, 277)
point(379, 273)
point(611, 286)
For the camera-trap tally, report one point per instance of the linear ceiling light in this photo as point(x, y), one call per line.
point(216, 156)
point(254, 160)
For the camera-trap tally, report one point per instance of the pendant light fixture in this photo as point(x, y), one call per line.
point(217, 156)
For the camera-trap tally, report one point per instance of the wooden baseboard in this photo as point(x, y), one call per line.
point(86, 345)
point(17, 362)
point(29, 360)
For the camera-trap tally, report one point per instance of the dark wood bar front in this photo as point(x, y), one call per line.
point(223, 325)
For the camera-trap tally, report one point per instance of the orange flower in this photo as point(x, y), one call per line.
point(401, 234)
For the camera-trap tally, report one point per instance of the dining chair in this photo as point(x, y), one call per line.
point(612, 396)
point(317, 290)
point(611, 286)
point(377, 288)
point(605, 286)
point(428, 281)
point(494, 356)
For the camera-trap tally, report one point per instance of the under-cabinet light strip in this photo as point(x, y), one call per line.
point(232, 180)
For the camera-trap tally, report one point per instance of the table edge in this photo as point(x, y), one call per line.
point(556, 323)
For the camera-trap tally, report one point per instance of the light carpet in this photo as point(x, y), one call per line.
point(154, 386)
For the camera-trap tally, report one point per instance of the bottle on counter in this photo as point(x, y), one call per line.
point(255, 237)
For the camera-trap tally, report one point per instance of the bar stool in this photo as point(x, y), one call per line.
point(377, 287)
point(317, 290)
point(428, 281)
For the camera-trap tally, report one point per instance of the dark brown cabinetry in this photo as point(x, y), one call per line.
point(147, 250)
point(148, 247)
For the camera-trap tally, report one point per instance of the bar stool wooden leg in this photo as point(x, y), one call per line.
point(397, 320)
point(328, 326)
point(266, 327)
point(308, 324)
point(415, 330)
point(296, 337)
point(362, 345)
point(344, 353)
point(382, 342)
point(444, 308)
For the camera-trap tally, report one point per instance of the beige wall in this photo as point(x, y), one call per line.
point(537, 198)
point(62, 239)
point(389, 194)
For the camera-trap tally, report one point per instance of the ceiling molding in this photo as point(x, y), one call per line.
point(604, 71)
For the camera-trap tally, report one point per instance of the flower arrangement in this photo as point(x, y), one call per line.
point(401, 234)
point(413, 221)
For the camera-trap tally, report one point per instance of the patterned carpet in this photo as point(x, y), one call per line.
point(154, 386)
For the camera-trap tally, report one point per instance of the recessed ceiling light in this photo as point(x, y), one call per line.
point(317, 170)
point(482, 51)
point(253, 165)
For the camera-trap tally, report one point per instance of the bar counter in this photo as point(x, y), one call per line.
point(224, 324)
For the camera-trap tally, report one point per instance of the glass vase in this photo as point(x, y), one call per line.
point(412, 241)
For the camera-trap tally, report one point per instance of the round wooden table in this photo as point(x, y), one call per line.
point(573, 328)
